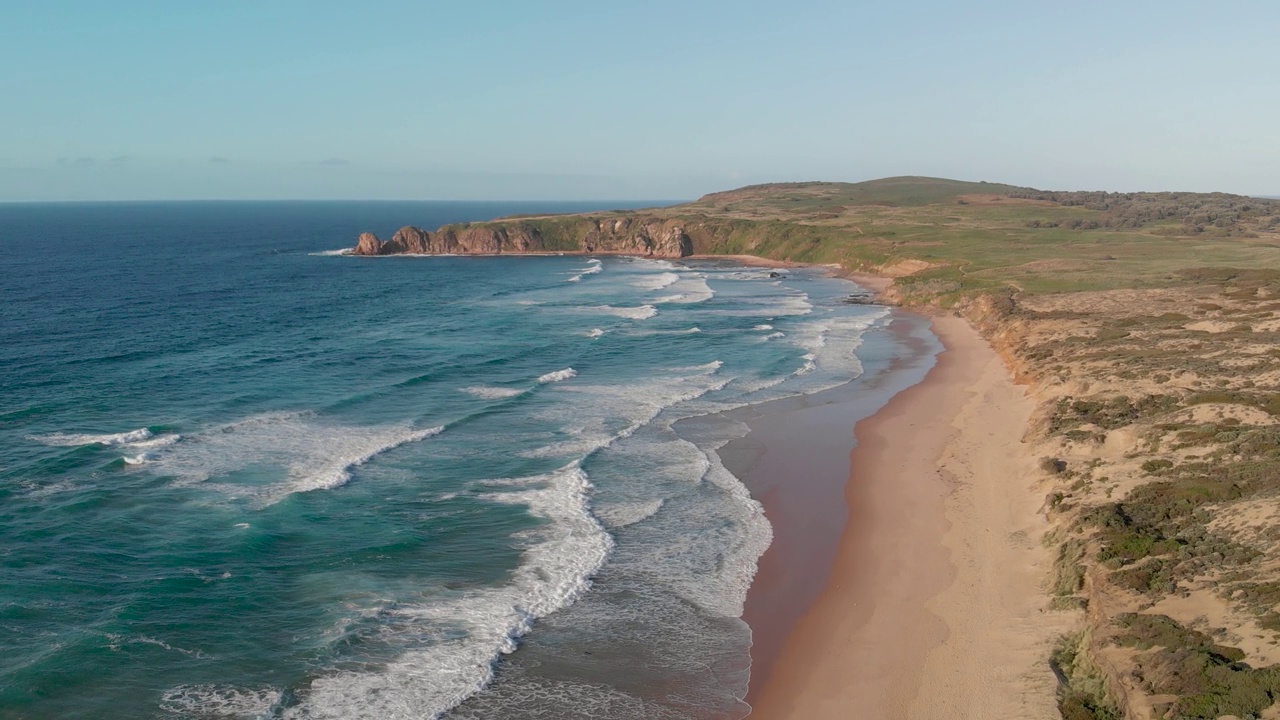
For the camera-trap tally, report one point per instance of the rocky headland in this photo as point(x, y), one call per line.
point(620, 235)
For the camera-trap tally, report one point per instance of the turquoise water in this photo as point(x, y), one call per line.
point(241, 477)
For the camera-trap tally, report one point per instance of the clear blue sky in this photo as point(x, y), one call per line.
point(611, 100)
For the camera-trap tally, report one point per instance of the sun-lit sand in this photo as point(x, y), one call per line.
point(934, 607)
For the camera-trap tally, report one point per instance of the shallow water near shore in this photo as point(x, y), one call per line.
point(244, 477)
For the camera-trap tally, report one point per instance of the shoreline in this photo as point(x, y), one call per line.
point(921, 594)
point(795, 462)
point(933, 607)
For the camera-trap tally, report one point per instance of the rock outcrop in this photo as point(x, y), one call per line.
point(621, 235)
point(367, 244)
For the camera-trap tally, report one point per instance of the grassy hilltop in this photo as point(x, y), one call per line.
point(1148, 328)
point(984, 236)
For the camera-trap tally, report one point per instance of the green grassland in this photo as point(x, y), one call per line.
point(1000, 238)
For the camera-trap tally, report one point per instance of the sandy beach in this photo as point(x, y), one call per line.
point(933, 606)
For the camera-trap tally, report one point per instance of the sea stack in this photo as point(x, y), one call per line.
point(367, 244)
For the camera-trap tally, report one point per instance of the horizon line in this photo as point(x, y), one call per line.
point(323, 200)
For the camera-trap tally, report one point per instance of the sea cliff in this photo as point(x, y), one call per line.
point(621, 235)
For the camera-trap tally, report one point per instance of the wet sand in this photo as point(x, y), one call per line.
point(795, 461)
point(921, 596)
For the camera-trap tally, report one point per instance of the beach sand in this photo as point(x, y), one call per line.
point(933, 606)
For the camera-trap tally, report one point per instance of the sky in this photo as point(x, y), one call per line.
point(570, 99)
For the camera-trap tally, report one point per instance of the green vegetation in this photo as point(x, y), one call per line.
point(1109, 414)
point(984, 236)
point(1209, 680)
point(1082, 694)
point(979, 237)
point(906, 191)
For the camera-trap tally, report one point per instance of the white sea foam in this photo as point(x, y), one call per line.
point(490, 392)
point(77, 439)
point(769, 307)
point(704, 540)
point(704, 369)
point(157, 442)
point(832, 342)
point(656, 281)
point(117, 641)
point(331, 253)
point(558, 375)
point(809, 364)
point(221, 701)
point(302, 452)
point(594, 416)
point(739, 555)
point(595, 333)
point(618, 515)
point(762, 327)
point(644, 312)
point(691, 288)
point(589, 270)
point(469, 631)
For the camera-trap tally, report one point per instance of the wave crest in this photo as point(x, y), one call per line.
point(644, 312)
point(79, 439)
point(491, 392)
point(557, 563)
point(301, 454)
point(558, 375)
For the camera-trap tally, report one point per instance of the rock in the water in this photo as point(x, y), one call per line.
point(408, 240)
point(367, 244)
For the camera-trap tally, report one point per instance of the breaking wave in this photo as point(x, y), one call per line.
point(558, 375)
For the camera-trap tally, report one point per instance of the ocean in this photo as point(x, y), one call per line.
point(244, 476)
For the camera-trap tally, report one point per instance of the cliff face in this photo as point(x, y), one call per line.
point(625, 235)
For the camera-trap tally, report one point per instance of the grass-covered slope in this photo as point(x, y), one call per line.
point(905, 191)
point(978, 237)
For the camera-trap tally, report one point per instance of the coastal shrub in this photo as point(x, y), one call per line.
point(1126, 546)
point(1153, 576)
point(1109, 334)
point(1154, 466)
point(1108, 414)
point(1076, 705)
point(1053, 466)
point(1144, 631)
point(1068, 570)
point(1082, 691)
point(1208, 680)
point(1270, 621)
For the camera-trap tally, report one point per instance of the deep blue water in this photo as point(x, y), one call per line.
point(243, 478)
